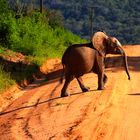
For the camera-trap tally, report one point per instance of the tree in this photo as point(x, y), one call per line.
point(41, 6)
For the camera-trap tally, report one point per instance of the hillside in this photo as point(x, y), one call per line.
point(118, 18)
point(34, 36)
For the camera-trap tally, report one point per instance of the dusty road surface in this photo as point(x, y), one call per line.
point(111, 114)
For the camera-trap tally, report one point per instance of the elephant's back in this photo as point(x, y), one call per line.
point(79, 59)
point(75, 48)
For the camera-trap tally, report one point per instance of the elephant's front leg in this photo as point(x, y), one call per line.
point(100, 72)
point(101, 81)
point(82, 86)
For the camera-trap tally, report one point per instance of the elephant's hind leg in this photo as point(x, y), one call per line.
point(105, 79)
point(83, 88)
point(68, 79)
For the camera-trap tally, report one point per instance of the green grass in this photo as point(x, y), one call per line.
point(5, 80)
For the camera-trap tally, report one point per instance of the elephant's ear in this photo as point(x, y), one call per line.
point(99, 40)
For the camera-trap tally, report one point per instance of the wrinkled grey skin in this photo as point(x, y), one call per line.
point(80, 59)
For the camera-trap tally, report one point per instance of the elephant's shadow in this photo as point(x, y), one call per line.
point(117, 61)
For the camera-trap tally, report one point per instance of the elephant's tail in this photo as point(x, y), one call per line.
point(62, 74)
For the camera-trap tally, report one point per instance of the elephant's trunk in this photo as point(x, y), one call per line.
point(125, 61)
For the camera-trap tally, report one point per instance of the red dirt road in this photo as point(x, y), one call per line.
point(111, 114)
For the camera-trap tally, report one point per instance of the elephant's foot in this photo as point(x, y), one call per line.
point(65, 94)
point(85, 89)
point(100, 88)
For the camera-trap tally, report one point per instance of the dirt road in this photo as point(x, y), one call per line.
point(111, 114)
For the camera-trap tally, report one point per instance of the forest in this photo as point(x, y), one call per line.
point(120, 18)
point(117, 18)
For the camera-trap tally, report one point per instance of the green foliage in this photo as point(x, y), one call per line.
point(5, 80)
point(55, 18)
point(4, 15)
point(118, 18)
point(3, 7)
point(1, 50)
point(35, 36)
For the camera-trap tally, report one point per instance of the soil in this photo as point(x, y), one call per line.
point(111, 114)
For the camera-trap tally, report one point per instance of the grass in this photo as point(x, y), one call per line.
point(5, 80)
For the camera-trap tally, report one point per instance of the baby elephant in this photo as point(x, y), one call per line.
point(79, 59)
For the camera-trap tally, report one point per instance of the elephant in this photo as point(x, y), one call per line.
point(79, 59)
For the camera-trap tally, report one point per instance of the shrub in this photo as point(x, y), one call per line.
point(40, 36)
point(34, 36)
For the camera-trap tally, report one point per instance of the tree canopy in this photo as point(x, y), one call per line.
point(118, 18)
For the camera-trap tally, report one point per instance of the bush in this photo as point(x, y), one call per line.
point(35, 37)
